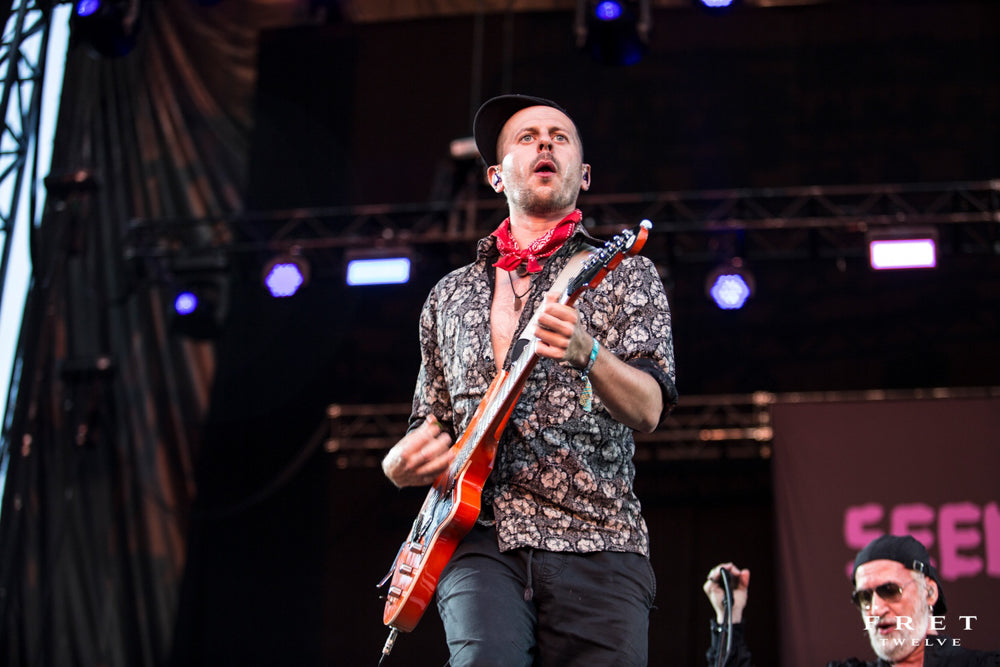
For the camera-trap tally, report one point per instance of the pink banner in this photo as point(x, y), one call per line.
point(847, 472)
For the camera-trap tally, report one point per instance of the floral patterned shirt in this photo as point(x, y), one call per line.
point(562, 478)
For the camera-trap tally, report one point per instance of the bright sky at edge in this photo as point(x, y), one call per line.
point(19, 266)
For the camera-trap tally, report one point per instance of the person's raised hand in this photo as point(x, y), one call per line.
point(739, 586)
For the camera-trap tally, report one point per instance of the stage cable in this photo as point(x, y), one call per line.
point(726, 578)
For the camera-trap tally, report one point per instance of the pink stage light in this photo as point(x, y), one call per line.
point(914, 253)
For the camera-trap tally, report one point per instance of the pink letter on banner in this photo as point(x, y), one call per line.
point(991, 528)
point(954, 537)
point(857, 530)
point(913, 519)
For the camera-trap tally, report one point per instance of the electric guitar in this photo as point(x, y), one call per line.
point(453, 502)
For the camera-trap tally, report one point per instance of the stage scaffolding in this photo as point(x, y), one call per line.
point(765, 223)
point(732, 426)
point(770, 224)
point(23, 50)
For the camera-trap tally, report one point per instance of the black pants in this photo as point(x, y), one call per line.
point(530, 607)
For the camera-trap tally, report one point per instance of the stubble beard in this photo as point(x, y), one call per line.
point(889, 650)
point(544, 201)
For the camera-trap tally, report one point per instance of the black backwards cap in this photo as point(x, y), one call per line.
point(907, 551)
point(492, 116)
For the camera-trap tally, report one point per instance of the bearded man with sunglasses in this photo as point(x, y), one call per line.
point(898, 593)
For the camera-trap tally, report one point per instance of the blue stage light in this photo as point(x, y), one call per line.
point(110, 28)
point(285, 274)
point(730, 284)
point(608, 11)
point(283, 280)
point(199, 306)
point(87, 7)
point(185, 303)
point(378, 271)
point(730, 291)
point(615, 33)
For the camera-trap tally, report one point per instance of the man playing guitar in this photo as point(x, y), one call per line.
point(556, 569)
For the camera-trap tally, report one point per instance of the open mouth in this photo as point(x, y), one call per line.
point(545, 167)
point(885, 627)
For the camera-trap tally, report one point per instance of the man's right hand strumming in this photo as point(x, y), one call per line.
point(422, 455)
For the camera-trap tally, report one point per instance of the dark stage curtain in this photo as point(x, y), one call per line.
point(104, 437)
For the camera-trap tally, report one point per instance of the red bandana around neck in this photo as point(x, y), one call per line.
point(511, 255)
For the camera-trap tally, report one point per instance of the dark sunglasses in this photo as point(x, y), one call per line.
point(889, 591)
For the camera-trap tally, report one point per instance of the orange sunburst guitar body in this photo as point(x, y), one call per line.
point(453, 502)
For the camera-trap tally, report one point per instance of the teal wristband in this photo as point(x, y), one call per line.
point(587, 395)
point(590, 363)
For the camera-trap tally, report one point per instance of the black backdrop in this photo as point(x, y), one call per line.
point(852, 93)
point(855, 92)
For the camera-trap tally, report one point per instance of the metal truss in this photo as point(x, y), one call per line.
point(773, 223)
point(712, 427)
point(360, 435)
point(22, 67)
point(768, 224)
point(733, 426)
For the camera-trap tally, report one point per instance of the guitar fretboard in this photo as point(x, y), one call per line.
point(501, 403)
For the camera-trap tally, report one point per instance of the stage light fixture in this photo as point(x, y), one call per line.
point(87, 7)
point(730, 285)
point(716, 7)
point(196, 310)
point(198, 289)
point(903, 249)
point(285, 274)
point(613, 32)
point(608, 11)
point(107, 27)
point(186, 302)
point(381, 268)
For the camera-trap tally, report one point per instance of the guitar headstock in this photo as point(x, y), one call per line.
point(605, 259)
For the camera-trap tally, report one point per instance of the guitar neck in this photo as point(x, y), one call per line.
point(502, 397)
point(583, 270)
point(506, 388)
